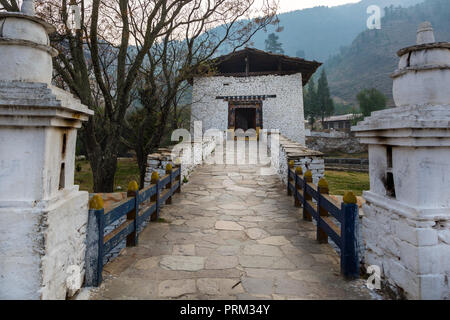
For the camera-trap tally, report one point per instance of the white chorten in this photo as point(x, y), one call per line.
point(43, 216)
point(406, 226)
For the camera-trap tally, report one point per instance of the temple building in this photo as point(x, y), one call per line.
point(253, 89)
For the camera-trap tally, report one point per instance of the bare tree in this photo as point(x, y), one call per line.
point(9, 5)
point(101, 62)
point(182, 53)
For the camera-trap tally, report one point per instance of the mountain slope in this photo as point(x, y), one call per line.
point(372, 57)
point(321, 31)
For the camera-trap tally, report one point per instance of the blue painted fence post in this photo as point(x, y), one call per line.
point(169, 171)
point(322, 188)
point(349, 250)
point(298, 172)
point(158, 194)
point(307, 178)
point(155, 197)
point(179, 178)
point(133, 191)
point(94, 242)
point(289, 179)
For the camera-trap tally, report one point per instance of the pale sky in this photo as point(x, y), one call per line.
point(290, 5)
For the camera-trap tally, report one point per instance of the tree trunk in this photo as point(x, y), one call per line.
point(142, 163)
point(102, 157)
point(103, 170)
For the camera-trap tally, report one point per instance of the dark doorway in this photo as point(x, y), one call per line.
point(246, 118)
point(245, 115)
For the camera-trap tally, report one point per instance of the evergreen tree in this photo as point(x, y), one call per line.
point(371, 100)
point(272, 44)
point(310, 102)
point(324, 102)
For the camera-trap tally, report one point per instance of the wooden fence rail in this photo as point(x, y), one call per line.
point(139, 206)
point(317, 204)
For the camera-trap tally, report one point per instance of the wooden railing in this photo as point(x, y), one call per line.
point(317, 204)
point(146, 203)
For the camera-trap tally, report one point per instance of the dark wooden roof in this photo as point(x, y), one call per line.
point(254, 62)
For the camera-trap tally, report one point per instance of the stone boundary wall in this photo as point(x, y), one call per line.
point(301, 155)
point(330, 134)
point(346, 144)
point(347, 164)
point(403, 247)
point(190, 156)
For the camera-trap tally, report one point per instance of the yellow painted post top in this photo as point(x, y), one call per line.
point(177, 161)
point(155, 177)
point(133, 186)
point(291, 164)
point(323, 185)
point(308, 176)
point(96, 202)
point(168, 168)
point(350, 198)
point(299, 170)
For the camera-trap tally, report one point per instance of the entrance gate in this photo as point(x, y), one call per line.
point(245, 115)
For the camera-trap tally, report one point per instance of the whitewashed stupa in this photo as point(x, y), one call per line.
point(43, 216)
point(406, 227)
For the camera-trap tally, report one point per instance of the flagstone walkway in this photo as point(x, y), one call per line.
point(232, 233)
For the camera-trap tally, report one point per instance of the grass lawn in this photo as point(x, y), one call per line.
point(127, 170)
point(341, 181)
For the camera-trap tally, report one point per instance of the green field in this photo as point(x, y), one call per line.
point(127, 170)
point(341, 181)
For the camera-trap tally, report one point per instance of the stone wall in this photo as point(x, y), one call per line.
point(35, 259)
point(408, 235)
point(302, 156)
point(190, 155)
point(328, 144)
point(412, 254)
point(347, 164)
point(285, 112)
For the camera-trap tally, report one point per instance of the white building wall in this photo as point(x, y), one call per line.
point(285, 112)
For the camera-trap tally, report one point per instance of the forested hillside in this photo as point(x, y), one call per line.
point(321, 31)
point(372, 57)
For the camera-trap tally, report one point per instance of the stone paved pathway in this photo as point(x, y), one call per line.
point(231, 234)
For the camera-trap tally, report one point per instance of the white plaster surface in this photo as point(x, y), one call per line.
point(42, 224)
point(17, 28)
point(31, 62)
point(285, 112)
point(422, 87)
point(407, 235)
point(409, 249)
